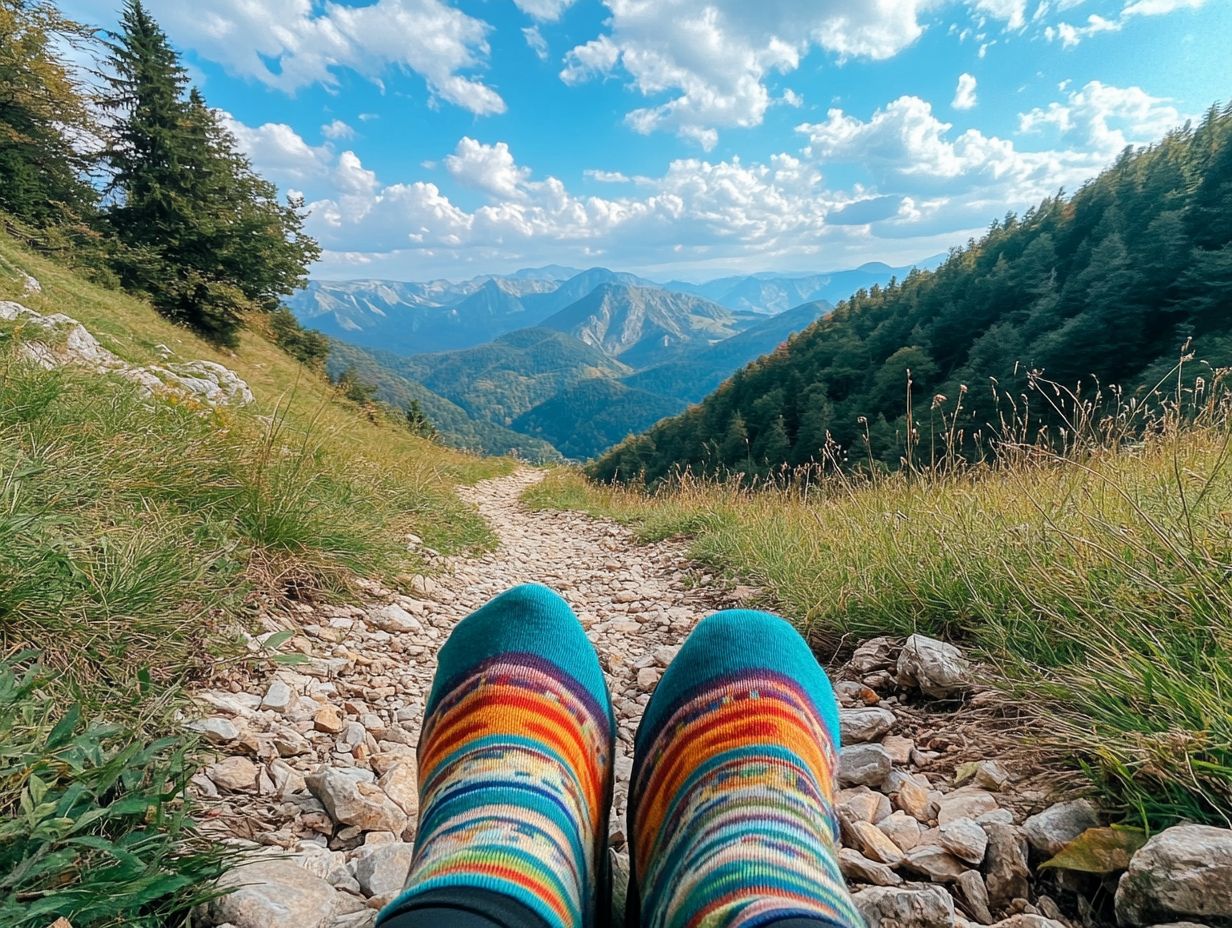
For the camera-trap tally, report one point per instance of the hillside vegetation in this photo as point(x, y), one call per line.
point(137, 538)
point(1110, 282)
point(1095, 586)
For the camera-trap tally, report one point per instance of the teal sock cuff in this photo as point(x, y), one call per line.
point(728, 643)
point(530, 619)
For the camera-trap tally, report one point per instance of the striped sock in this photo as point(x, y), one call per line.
point(515, 767)
point(731, 812)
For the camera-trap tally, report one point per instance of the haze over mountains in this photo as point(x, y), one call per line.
point(571, 361)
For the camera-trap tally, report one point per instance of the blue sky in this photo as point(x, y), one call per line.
point(687, 138)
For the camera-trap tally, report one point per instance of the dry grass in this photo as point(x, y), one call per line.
point(1092, 573)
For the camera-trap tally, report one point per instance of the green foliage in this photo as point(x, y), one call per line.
point(584, 420)
point(41, 104)
point(354, 387)
point(158, 518)
point(306, 346)
point(1101, 288)
point(418, 422)
point(506, 377)
point(94, 822)
point(202, 234)
point(456, 427)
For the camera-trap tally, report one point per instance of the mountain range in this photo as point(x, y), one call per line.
point(556, 360)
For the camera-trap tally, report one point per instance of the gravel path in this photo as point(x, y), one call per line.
point(317, 760)
point(637, 602)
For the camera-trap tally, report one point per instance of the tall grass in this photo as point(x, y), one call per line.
point(1093, 578)
point(137, 537)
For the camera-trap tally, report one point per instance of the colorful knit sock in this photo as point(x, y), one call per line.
point(515, 768)
point(731, 811)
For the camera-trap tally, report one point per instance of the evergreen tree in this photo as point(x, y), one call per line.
point(735, 447)
point(417, 420)
point(202, 233)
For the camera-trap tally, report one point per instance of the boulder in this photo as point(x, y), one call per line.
point(936, 863)
point(916, 800)
point(965, 840)
point(1182, 871)
point(876, 845)
point(859, 869)
point(1027, 920)
point(863, 765)
point(875, 654)
point(215, 730)
point(394, 619)
point(1057, 826)
point(967, 802)
point(383, 869)
point(278, 698)
point(975, 896)
point(858, 726)
point(861, 804)
point(236, 774)
point(1005, 864)
point(402, 786)
point(912, 906)
point(273, 894)
point(902, 829)
point(351, 801)
point(935, 668)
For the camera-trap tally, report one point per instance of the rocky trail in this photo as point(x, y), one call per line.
point(316, 761)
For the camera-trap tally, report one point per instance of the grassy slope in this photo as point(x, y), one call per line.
point(1096, 588)
point(292, 493)
point(135, 537)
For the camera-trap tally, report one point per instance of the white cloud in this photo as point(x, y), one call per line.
point(280, 153)
point(704, 65)
point(1070, 35)
point(792, 99)
point(597, 57)
point(547, 10)
point(1159, 7)
point(1103, 119)
point(538, 44)
point(964, 95)
point(921, 187)
point(1011, 12)
point(607, 177)
point(308, 43)
point(337, 130)
point(489, 168)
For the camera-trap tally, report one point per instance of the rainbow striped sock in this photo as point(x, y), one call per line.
point(731, 812)
point(515, 767)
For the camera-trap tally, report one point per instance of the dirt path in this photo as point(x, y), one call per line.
point(354, 708)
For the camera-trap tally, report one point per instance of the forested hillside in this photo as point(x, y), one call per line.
point(453, 425)
point(1104, 287)
point(502, 379)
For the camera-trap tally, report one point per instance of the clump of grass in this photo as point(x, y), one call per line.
point(129, 527)
point(94, 824)
point(1093, 578)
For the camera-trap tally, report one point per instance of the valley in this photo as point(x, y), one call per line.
point(554, 362)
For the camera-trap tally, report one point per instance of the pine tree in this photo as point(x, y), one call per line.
point(734, 451)
point(202, 233)
point(418, 422)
